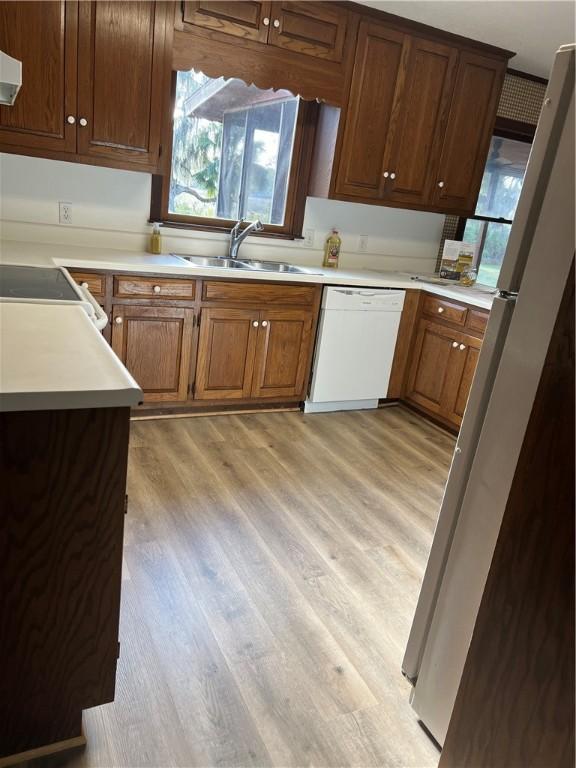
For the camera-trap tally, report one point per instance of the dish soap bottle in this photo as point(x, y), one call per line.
point(332, 250)
point(156, 239)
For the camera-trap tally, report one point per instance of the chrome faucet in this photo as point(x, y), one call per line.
point(237, 235)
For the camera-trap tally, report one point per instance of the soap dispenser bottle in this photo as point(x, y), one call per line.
point(332, 250)
point(156, 239)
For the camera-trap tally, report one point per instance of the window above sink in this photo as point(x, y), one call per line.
point(236, 152)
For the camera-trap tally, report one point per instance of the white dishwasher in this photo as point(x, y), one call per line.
point(355, 347)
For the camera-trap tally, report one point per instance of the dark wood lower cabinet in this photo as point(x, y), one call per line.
point(283, 349)
point(226, 350)
point(155, 344)
point(442, 359)
point(63, 485)
point(251, 354)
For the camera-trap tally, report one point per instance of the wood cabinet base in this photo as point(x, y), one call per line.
point(63, 481)
point(56, 748)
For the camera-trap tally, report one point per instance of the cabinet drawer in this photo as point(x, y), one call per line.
point(249, 293)
point(445, 310)
point(477, 320)
point(96, 283)
point(153, 288)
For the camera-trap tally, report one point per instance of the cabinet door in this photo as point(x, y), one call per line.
point(436, 365)
point(226, 350)
point(240, 18)
point(155, 344)
point(42, 35)
point(315, 29)
point(420, 130)
point(469, 349)
point(372, 111)
point(282, 353)
point(120, 74)
point(469, 129)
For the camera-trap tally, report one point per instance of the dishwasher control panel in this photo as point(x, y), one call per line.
point(382, 299)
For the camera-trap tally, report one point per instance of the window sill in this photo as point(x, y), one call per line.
point(223, 230)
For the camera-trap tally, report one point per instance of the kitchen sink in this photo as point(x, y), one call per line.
point(213, 261)
point(278, 266)
point(247, 264)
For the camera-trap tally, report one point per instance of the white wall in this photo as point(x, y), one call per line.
point(111, 208)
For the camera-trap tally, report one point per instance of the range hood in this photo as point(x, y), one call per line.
point(10, 78)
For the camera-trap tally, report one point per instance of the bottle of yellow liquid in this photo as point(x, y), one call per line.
point(332, 250)
point(156, 239)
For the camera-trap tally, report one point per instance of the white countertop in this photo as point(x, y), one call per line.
point(127, 261)
point(52, 358)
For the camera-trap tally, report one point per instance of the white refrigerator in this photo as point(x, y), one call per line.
point(531, 284)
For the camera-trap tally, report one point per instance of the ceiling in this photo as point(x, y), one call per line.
point(532, 28)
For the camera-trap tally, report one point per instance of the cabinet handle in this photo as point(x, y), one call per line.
point(83, 122)
point(71, 119)
point(385, 174)
point(392, 175)
point(441, 184)
point(255, 323)
point(118, 320)
point(156, 289)
point(83, 285)
point(276, 23)
point(264, 323)
point(266, 21)
point(440, 310)
point(454, 344)
point(462, 347)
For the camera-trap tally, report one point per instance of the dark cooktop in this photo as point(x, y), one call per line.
point(35, 283)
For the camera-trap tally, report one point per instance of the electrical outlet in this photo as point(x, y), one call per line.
point(363, 244)
point(308, 238)
point(65, 213)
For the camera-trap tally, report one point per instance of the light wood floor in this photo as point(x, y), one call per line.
point(272, 567)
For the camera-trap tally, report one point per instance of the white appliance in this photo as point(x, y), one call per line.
point(48, 285)
point(10, 79)
point(355, 347)
point(531, 284)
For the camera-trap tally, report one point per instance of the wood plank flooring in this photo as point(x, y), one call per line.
point(272, 567)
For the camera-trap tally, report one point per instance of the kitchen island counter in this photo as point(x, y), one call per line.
point(52, 358)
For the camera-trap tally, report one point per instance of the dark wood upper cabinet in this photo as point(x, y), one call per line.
point(93, 80)
point(416, 129)
point(42, 35)
point(240, 18)
point(417, 140)
point(120, 68)
point(377, 83)
point(469, 129)
point(315, 29)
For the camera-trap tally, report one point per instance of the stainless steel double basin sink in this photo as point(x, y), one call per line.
point(248, 265)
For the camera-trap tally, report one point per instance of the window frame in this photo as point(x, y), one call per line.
point(504, 128)
point(298, 179)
